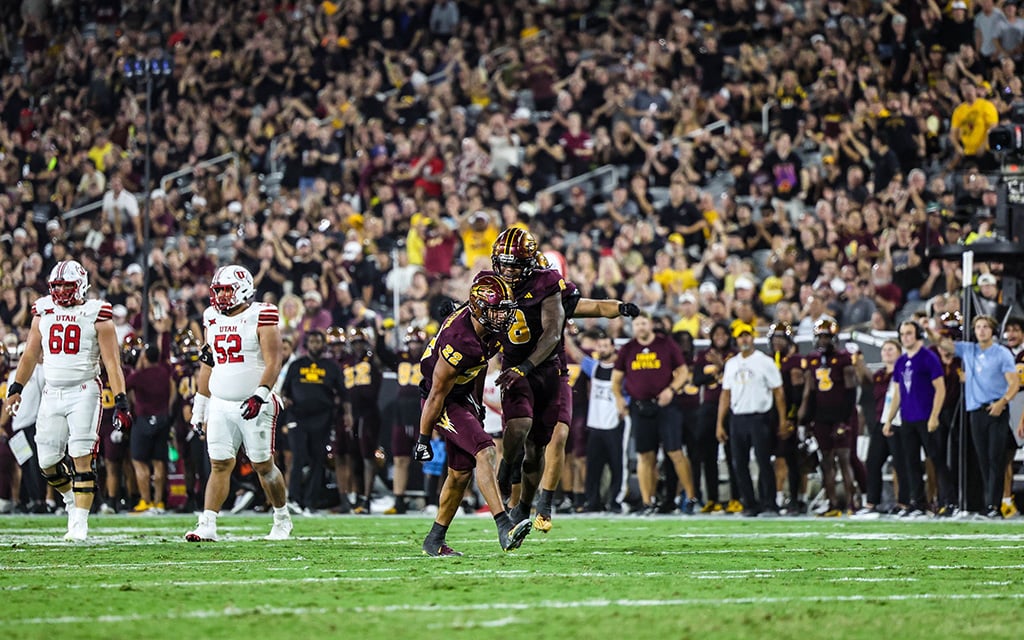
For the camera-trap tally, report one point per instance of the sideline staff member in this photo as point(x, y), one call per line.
point(750, 383)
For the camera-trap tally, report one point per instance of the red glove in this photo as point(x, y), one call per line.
point(251, 406)
point(122, 414)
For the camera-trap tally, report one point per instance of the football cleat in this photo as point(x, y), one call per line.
point(78, 525)
point(711, 507)
point(832, 513)
point(282, 529)
point(142, 507)
point(204, 532)
point(441, 550)
point(542, 523)
point(734, 506)
point(1009, 510)
point(513, 538)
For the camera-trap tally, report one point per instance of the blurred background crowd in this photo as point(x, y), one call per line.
point(752, 157)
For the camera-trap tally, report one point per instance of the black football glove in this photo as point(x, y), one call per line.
point(122, 414)
point(251, 406)
point(423, 452)
point(446, 308)
point(628, 309)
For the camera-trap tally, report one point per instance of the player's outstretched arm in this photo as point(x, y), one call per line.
point(441, 385)
point(591, 308)
point(106, 336)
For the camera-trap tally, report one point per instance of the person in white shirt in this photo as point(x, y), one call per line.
point(241, 365)
point(118, 205)
point(751, 384)
point(73, 335)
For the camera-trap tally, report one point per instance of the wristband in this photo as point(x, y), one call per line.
point(262, 392)
point(121, 401)
point(524, 368)
point(423, 439)
point(14, 388)
point(199, 408)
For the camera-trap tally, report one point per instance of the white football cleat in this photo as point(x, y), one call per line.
point(282, 529)
point(78, 525)
point(204, 532)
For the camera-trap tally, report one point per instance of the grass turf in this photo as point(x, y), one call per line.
point(365, 577)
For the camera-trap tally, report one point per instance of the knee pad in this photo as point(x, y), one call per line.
point(60, 477)
point(85, 481)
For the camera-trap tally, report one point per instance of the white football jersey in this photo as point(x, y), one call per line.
point(238, 359)
point(71, 350)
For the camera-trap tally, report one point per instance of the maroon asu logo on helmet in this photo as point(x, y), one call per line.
point(514, 255)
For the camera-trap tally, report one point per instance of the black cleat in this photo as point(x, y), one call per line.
point(513, 538)
point(439, 550)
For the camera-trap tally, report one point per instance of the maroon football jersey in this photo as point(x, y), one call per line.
point(690, 396)
point(363, 378)
point(702, 366)
point(648, 369)
point(880, 379)
point(794, 394)
point(522, 337)
point(457, 343)
point(833, 401)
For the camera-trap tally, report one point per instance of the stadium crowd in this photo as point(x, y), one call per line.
point(379, 147)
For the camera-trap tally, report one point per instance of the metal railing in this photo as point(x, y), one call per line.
point(164, 181)
point(205, 164)
point(765, 117)
point(585, 178)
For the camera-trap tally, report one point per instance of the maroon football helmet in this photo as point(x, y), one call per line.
point(514, 255)
point(492, 303)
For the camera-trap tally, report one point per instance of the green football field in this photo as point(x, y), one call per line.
point(591, 577)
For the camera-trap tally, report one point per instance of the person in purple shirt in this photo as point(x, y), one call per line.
point(452, 388)
point(153, 395)
point(919, 395)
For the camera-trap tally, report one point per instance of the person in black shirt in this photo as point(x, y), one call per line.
point(313, 389)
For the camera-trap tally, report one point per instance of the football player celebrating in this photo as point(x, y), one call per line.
point(536, 396)
point(73, 335)
point(452, 384)
point(234, 403)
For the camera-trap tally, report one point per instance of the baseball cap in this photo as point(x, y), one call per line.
point(235, 206)
point(302, 242)
point(743, 283)
point(313, 295)
point(120, 311)
point(708, 287)
point(352, 250)
point(986, 278)
point(687, 297)
point(741, 328)
point(133, 268)
point(816, 38)
point(959, 4)
point(522, 113)
point(53, 225)
point(379, 150)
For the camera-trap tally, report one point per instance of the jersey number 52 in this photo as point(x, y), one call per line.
point(228, 347)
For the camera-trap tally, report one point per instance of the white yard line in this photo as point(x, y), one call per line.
point(265, 610)
point(727, 574)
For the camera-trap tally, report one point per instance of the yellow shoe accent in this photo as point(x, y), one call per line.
point(710, 507)
point(1009, 510)
point(142, 507)
point(832, 513)
point(542, 524)
point(734, 506)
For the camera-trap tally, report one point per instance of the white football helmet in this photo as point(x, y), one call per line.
point(68, 283)
point(231, 286)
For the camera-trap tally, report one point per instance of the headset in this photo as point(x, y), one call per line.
point(918, 329)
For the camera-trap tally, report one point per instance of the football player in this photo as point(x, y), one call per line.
point(830, 403)
point(452, 384)
point(235, 405)
point(363, 377)
point(406, 364)
point(73, 334)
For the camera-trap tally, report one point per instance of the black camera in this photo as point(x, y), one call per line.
point(1007, 139)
